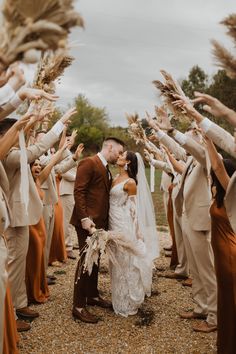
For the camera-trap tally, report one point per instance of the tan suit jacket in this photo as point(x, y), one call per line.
point(12, 166)
point(67, 182)
point(5, 213)
point(197, 190)
point(230, 201)
point(174, 147)
point(91, 193)
point(222, 138)
point(49, 186)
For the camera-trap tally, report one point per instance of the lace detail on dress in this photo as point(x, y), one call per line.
point(128, 290)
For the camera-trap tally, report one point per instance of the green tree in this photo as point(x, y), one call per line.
point(197, 81)
point(91, 122)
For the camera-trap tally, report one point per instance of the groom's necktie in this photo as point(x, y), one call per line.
point(108, 172)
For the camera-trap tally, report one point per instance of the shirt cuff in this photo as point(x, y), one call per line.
point(160, 134)
point(16, 101)
point(6, 94)
point(57, 128)
point(180, 138)
point(205, 124)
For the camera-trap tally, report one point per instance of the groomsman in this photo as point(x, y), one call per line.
point(17, 233)
point(91, 193)
point(67, 199)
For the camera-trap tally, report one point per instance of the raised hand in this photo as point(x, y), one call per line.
point(151, 122)
point(21, 123)
point(35, 94)
point(147, 155)
point(78, 152)
point(212, 105)
point(163, 120)
point(65, 118)
point(72, 138)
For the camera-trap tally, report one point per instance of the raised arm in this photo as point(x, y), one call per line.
point(217, 164)
point(218, 135)
point(11, 136)
point(215, 107)
point(53, 161)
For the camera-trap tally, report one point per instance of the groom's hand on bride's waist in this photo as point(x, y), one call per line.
point(87, 224)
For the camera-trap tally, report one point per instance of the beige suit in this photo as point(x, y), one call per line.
point(67, 199)
point(4, 221)
point(17, 234)
point(180, 154)
point(50, 196)
point(193, 202)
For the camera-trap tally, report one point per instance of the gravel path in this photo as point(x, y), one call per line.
point(156, 329)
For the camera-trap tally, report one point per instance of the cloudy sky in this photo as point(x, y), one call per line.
point(126, 42)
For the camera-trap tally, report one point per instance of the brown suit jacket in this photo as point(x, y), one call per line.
point(91, 193)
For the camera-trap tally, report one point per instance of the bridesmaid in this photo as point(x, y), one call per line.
point(224, 248)
point(10, 337)
point(58, 248)
point(36, 284)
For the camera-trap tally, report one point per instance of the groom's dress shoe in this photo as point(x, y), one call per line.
point(99, 302)
point(84, 316)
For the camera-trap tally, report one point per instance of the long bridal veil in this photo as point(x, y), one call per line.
point(147, 223)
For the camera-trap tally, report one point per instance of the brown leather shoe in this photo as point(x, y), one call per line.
point(175, 276)
point(99, 301)
point(70, 255)
point(27, 313)
point(187, 282)
point(22, 326)
point(190, 315)
point(204, 327)
point(84, 315)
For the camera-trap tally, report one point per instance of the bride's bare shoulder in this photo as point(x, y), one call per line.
point(130, 186)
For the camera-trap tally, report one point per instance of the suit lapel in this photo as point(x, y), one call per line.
point(103, 170)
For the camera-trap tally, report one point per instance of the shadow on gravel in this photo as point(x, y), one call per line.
point(146, 317)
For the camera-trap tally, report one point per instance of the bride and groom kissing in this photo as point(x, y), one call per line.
point(114, 204)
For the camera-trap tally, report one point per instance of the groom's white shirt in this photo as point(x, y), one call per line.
point(102, 158)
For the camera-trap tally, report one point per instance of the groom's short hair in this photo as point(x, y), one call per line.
point(114, 139)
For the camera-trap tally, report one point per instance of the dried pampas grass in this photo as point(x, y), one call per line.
point(135, 128)
point(50, 68)
point(224, 59)
point(35, 24)
point(168, 90)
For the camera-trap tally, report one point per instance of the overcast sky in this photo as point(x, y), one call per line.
point(126, 42)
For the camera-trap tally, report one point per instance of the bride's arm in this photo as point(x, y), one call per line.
point(131, 188)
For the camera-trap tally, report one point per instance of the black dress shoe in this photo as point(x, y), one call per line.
point(84, 316)
point(99, 302)
point(52, 277)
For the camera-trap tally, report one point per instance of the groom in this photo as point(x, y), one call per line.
point(91, 193)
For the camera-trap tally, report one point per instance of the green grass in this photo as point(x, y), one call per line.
point(156, 196)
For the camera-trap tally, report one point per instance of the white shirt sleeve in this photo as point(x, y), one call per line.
point(205, 124)
point(160, 134)
point(58, 128)
point(16, 101)
point(180, 138)
point(6, 94)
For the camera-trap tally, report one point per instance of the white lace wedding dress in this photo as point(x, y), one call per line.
point(131, 279)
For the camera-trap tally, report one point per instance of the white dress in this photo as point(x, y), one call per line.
point(128, 289)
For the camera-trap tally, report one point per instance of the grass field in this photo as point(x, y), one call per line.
point(156, 196)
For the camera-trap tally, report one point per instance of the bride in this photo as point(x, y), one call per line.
point(132, 215)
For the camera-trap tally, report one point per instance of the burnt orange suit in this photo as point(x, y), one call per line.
point(91, 193)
